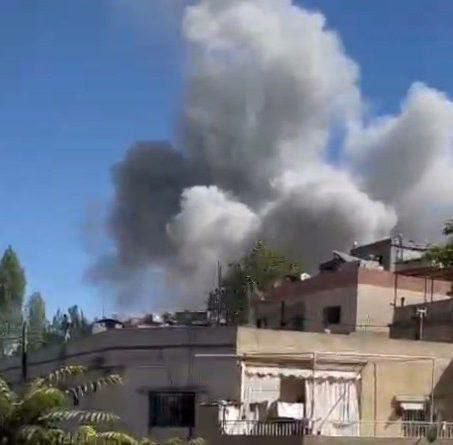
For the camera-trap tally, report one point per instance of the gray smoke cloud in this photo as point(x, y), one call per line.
point(268, 87)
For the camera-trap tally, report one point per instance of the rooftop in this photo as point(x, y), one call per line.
point(431, 272)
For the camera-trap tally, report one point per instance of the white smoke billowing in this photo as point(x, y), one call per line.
point(209, 218)
point(269, 89)
point(406, 160)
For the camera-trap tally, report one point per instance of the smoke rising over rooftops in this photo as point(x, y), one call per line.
point(268, 87)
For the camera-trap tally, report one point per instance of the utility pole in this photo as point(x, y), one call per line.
point(250, 308)
point(24, 350)
point(219, 299)
point(421, 314)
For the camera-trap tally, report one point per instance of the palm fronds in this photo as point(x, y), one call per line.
point(60, 375)
point(7, 398)
point(81, 416)
point(76, 392)
point(116, 437)
point(5, 391)
point(41, 412)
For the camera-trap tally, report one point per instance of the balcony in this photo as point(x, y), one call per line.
point(258, 428)
point(287, 428)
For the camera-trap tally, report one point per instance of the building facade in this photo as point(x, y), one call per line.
point(351, 299)
point(244, 385)
point(390, 251)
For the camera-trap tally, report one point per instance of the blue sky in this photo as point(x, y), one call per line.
point(80, 81)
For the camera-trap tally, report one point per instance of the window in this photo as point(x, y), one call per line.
point(282, 315)
point(172, 409)
point(410, 419)
point(418, 415)
point(332, 315)
point(298, 323)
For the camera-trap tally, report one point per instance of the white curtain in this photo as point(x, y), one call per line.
point(228, 418)
point(259, 389)
point(335, 409)
point(335, 393)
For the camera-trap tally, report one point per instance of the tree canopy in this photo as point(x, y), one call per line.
point(254, 273)
point(37, 323)
point(12, 283)
point(12, 290)
point(442, 255)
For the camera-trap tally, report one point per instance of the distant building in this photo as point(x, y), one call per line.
point(343, 261)
point(105, 324)
point(192, 318)
point(355, 291)
point(390, 251)
point(144, 321)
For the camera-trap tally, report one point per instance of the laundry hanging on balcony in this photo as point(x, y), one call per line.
point(331, 396)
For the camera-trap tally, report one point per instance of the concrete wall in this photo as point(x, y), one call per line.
point(310, 310)
point(307, 299)
point(437, 324)
point(405, 368)
point(148, 360)
point(378, 291)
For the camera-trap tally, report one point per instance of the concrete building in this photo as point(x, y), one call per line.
point(351, 299)
point(424, 321)
point(390, 251)
point(430, 320)
point(250, 386)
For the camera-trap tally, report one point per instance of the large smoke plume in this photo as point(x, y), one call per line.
point(270, 94)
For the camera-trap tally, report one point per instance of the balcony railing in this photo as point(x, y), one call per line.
point(402, 429)
point(264, 428)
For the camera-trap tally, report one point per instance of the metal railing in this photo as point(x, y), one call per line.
point(277, 428)
point(284, 428)
point(394, 429)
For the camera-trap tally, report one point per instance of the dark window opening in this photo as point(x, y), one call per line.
point(332, 315)
point(282, 315)
point(298, 323)
point(411, 418)
point(172, 409)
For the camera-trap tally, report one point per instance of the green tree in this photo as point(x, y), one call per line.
point(64, 326)
point(12, 290)
point(54, 333)
point(79, 325)
point(37, 323)
point(42, 411)
point(252, 274)
point(442, 255)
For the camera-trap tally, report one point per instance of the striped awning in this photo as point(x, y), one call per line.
point(280, 371)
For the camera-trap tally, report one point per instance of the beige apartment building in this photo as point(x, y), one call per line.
point(244, 385)
point(353, 298)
